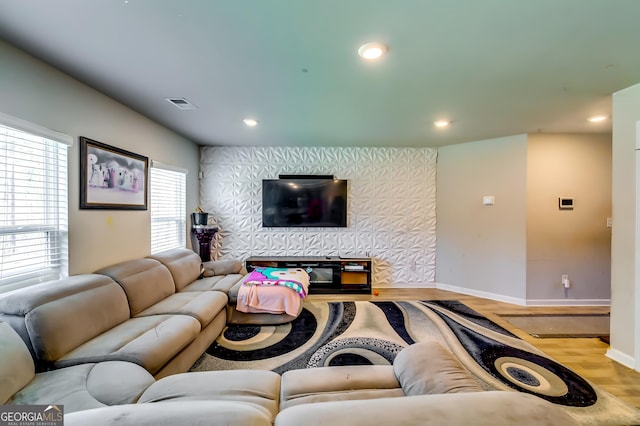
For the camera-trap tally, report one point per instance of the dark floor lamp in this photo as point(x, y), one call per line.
point(201, 235)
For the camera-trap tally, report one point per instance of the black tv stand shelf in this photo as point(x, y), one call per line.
point(328, 275)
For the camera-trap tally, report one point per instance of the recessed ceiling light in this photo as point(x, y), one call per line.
point(441, 123)
point(371, 51)
point(250, 122)
point(598, 118)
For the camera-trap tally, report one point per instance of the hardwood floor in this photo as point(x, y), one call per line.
point(585, 356)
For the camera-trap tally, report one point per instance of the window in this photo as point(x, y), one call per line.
point(33, 210)
point(168, 207)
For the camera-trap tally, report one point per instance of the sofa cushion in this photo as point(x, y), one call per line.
point(203, 306)
point(145, 281)
point(259, 387)
point(173, 413)
point(429, 368)
point(148, 341)
point(61, 315)
point(499, 408)
point(183, 264)
point(86, 386)
point(338, 383)
point(17, 368)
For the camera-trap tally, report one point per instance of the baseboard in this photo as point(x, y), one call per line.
point(621, 358)
point(568, 302)
point(483, 294)
point(499, 297)
point(404, 285)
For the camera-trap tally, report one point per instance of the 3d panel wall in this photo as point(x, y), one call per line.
point(391, 206)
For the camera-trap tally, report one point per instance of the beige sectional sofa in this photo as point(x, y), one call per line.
point(152, 293)
point(133, 311)
point(124, 388)
point(113, 347)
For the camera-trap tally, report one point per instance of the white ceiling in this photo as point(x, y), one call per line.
point(493, 67)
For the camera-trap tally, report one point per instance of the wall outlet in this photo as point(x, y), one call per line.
point(488, 200)
point(565, 281)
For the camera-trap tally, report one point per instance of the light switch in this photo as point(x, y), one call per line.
point(488, 200)
point(609, 222)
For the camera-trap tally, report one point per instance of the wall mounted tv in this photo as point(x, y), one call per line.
point(304, 202)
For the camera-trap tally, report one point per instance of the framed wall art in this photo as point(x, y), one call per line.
point(112, 178)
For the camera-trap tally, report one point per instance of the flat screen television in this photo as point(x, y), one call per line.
point(304, 202)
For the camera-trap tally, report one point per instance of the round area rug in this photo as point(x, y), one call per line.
point(367, 333)
point(315, 339)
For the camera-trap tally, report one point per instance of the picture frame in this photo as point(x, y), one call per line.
point(112, 178)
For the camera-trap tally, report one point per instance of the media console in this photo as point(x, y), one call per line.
point(328, 275)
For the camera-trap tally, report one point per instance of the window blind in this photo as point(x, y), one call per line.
point(33, 211)
point(168, 207)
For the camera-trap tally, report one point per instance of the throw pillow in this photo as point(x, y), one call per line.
point(221, 267)
point(428, 368)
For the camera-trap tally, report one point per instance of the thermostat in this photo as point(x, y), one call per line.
point(565, 203)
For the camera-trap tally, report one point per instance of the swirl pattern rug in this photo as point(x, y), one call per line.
point(361, 333)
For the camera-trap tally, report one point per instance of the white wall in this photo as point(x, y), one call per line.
point(517, 249)
point(391, 206)
point(574, 242)
point(625, 301)
point(33, 91)
point(481, 250)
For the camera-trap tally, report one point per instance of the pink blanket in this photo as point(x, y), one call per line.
point(273, 291)
point(268, 299)
point(294, 278)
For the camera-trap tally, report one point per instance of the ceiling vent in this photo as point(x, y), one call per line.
point(182, 103)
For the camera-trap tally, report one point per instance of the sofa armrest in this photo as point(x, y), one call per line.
point(173, 413)
point(221, 267)
point(17, 368)
point(311, 385)
point(258, 387)
point(497, 408)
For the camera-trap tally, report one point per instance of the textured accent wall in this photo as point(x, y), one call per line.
point(391, 206)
